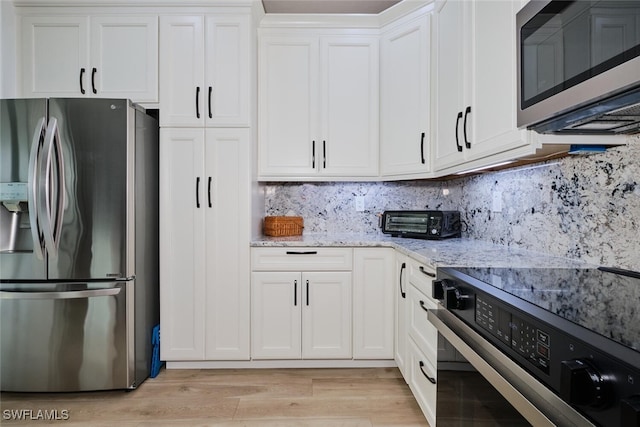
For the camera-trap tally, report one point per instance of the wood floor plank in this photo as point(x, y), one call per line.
point(231, 398)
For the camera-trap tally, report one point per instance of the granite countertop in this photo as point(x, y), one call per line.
point(458, 252)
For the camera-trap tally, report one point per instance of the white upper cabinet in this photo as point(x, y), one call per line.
point(205, 71)
point(450, 82)
point(475, 81)
point(102, 56)
point(318, 106)
point(405, 117)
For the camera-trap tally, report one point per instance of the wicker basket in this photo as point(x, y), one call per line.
point(279, 226)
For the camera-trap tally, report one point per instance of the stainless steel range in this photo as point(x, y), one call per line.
point(561, 345)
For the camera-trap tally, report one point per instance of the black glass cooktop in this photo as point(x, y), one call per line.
point(605, 301)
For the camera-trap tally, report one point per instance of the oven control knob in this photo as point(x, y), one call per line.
point(582, 384)
point(438, 287)
point(454, 299)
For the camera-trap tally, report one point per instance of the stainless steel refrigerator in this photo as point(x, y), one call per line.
point(79, 274)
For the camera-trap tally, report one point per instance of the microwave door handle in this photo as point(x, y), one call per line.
point(33, 187)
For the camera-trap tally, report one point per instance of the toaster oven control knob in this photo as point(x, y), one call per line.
point(454, 299)
point(582, 384)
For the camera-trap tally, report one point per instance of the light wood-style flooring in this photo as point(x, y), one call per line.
point(248, 397)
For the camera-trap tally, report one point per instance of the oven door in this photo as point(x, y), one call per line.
point(498, 391)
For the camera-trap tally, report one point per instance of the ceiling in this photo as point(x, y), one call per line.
point(327, 6)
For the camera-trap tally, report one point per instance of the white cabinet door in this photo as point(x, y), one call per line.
point(276, 304)
point(102, 56)
point(288, 105)
point(124, 57)
point(225, 190)
point(401, 332)
point(374, 286)
point(326, 315)
point(318, 106)
point(55, 56)
point(182, 245)
point(182, 71)
point(204, 249)
point(349, 106)
point(450, 84)
point(405, 132)
point(492, 121)
point(227, 70)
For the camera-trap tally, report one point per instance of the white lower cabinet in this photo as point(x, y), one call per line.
point(322, 303)
point(373, 303)
point(204, 244)
point(401, 333)
point(301, 315)
point(421, 338)
point(422, 379)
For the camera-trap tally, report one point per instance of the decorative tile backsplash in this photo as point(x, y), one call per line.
point(585, 207)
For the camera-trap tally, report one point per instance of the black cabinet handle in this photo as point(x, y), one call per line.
point(307, 293)
point(457, 127)
point(424, 307)
point(295, 292)
point(210, 92)
point(198, 192)
point(422, 148)
point(302, 252)
point(467, 143)
point(93, 80)
point(428, 273)
point(198, 102)
point(324, 154)
point(209, 191)
point(82, 91)
point(313, 154)
point(402, 292)
point(431, 379)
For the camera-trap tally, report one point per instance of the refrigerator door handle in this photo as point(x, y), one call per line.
point(60, 295)
point(34, 157)
point(51, 167)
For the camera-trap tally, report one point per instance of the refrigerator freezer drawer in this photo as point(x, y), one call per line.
point(64, 337)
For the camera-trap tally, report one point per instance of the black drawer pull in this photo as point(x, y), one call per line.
point(82, 91)
point(467, 143)
point(458, 146)
point(403, 294)
point(428, 273)
point(302, 252)
point(197, 102)
point(424, 307)
point(431, 379)
point(93, 80)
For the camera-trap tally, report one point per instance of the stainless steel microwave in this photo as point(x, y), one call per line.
point(579, 66)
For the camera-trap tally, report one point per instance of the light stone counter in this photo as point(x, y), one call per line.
point(460, 252)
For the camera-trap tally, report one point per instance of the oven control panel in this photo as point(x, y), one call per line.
point(531, 342)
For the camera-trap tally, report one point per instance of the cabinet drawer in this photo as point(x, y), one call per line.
point(420, 329)
point(301, 259)
point(421, 276)
point(422, 381)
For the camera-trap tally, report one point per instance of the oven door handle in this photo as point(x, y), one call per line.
point(520, 388)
